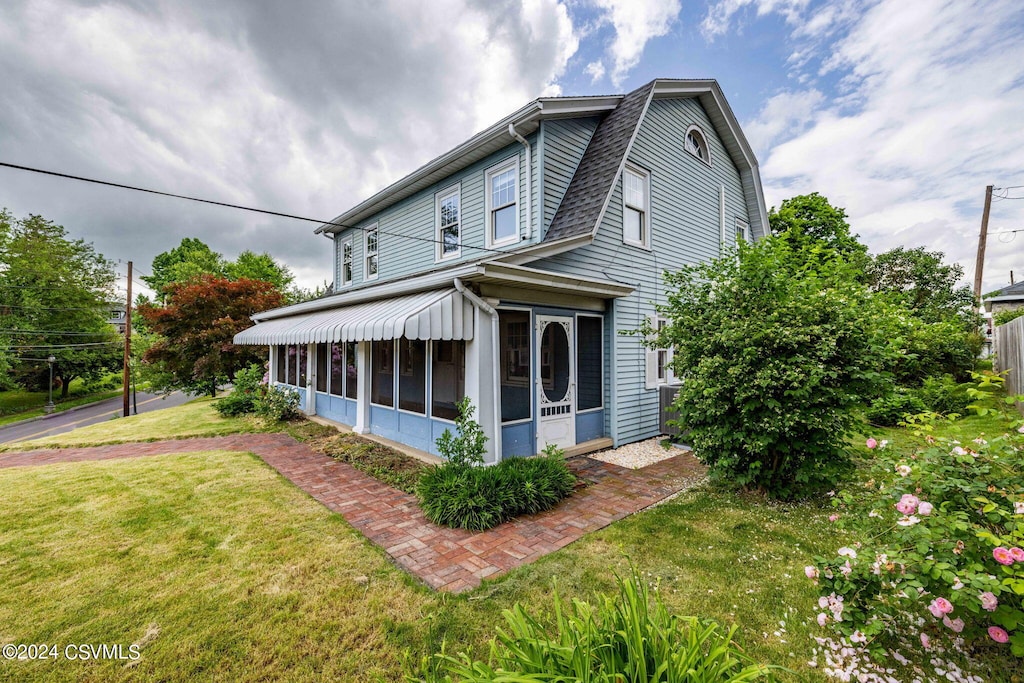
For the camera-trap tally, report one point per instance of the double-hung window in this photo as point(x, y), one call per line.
point(345, 276)
point(449, 217)
point(636, 228)
point(742, 230)
point(502, 190)
point(658, 369)
point(370, 248)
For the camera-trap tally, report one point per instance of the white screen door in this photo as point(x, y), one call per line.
point(556, 382)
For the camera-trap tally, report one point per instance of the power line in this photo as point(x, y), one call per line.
point(237, 206)
point(63, 333)
point(55, 308)
point(64, 347)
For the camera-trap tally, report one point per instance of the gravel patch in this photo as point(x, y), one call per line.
point(638, 454)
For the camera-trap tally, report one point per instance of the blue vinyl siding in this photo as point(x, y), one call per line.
point(685, 229)
point(415, 216)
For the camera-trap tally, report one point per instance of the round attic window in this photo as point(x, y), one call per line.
point(696, 145)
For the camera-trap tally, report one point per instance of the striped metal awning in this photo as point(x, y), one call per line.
point(442, 314)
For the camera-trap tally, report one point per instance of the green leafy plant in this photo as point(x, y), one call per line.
point(278, 403)
point(945, 395)
point(1004, 317)
point(469, 445)
point(249, 387)
point(890, 410)
point(940, 553)
point(789, 345)
point(625, 639)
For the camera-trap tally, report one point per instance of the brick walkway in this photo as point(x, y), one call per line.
point(446, 559)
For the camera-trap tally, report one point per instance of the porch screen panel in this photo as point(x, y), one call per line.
point(338, 369)
point(351, 371)
point(293, 366)
point(515, 365)
point(448, 378)
point(282, 364)
point(382, 373)
point(589, 346)
point(323, 366)
point(302, 366)
point(412, 375)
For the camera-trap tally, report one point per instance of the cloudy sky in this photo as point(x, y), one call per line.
point(901, 112)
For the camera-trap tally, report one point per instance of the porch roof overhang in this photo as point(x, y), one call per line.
point(444, 315)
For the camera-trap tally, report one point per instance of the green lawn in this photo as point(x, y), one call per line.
point(222, 569)
point(195, 418)
point(17, 405)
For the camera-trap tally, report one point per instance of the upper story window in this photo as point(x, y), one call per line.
point(636, 227)
point(742, 230)
point(502, 188)
point(345, 276)
point(370, 247)
point(697, 145)
point(449, 219)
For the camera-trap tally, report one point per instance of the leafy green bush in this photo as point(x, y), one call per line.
point(939, 553)
point(889, 411)
point(1006, 316)
point(277, 403)
point(462, 494)
point(624, 639)
point(934, 348)
point(248, 388)
point(944, 395)
point(477, 498)
point(789, 345)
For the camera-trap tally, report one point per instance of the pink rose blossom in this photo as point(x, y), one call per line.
point(1018, 507)
point(1021, 429)
point(925, 508)
point(957, 625)
point(908, 521)
point(858, 637)
point(847, 552)
point(1017, 554)
point(1003, 556)
point(999, 635)
point(926, 641)
point(833, 518)
point(904, 470)
point(940, 607)
point(822, 619)
point(811, 572)
point(871, 443)
point(989, 601)
point(908, 503)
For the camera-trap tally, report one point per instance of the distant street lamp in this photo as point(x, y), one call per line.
point(49, 408)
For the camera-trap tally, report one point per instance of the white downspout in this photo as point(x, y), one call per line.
point(529, 180)
point(489, 310)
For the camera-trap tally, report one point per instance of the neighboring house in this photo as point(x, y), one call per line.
point(512, 269)
point(1008, 299)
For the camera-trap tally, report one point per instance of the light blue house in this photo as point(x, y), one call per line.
point(509, 269)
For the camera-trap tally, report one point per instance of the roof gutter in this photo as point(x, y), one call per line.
point(529, 179)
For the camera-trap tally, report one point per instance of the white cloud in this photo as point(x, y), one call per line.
point(928, 115)
point(259, 104)
point(720, 15)
point(595, 70)
point(635, 22)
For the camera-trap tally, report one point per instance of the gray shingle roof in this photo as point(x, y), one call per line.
point(1012, 290)
point(594, 178)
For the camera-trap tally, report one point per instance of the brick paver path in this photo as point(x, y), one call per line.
point(446, 559)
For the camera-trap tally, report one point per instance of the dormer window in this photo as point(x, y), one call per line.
point(696, 145)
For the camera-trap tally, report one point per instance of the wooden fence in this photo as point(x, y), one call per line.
point(1009, 348)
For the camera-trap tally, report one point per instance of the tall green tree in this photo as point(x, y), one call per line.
point(263, 267)
point(810, 220)
point(190, 259)
point(55, 295)
point(193, 349)
point(924, 284)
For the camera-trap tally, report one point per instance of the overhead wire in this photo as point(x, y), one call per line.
point(240, 207)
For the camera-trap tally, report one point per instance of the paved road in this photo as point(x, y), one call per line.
point(59, 423)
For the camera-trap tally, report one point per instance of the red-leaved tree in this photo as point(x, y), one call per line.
point(194, 350)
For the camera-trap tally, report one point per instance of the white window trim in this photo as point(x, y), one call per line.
point(746, 228)
point(439, 254)
point(651, 379)
point(341, 261)
point(644, 243)
point(704, 139)
point(511, 163)
point(600, 319)
point(366, 254)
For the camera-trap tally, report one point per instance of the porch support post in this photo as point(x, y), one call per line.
point(362, 425)
point(481, 371)
point(272, 365)
point(311, 379)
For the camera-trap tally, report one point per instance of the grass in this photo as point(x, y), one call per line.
point(379, 461)
point(195, 418)
point(17, 405)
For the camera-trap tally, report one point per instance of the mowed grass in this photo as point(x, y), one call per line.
point(195, 418)
point(214, 564)
point(17, 405)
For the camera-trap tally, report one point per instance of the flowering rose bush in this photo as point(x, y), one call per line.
point(941, 550)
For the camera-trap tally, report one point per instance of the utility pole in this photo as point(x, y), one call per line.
point(981, 244)
point(125, 375)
